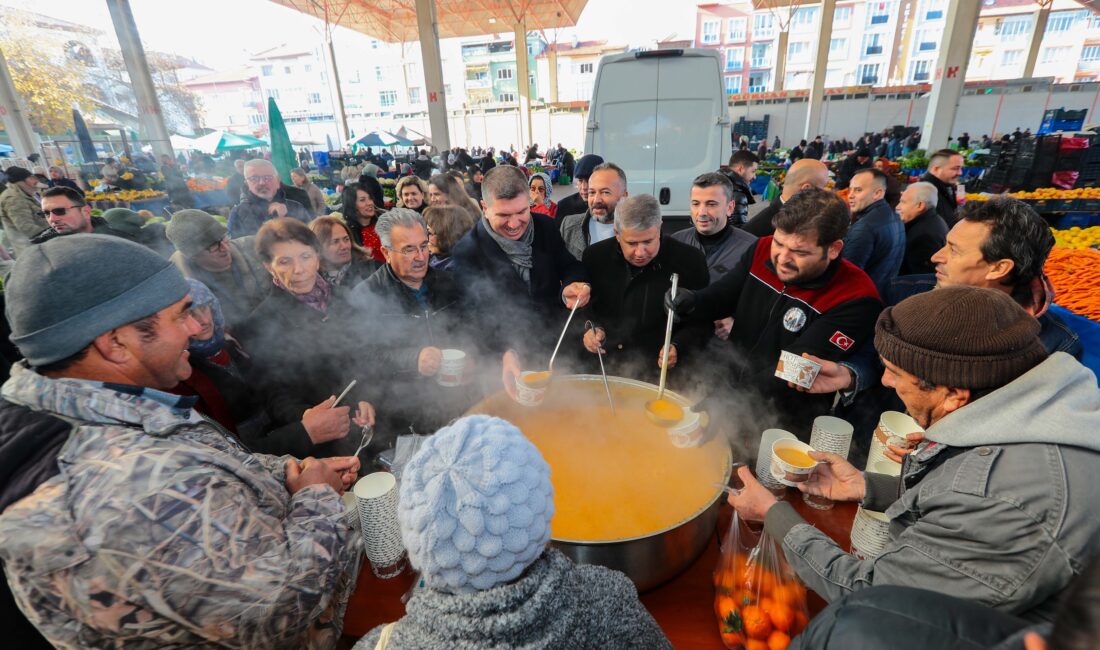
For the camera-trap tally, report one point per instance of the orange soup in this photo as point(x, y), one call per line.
point(537, 379)
point(665, 410)
point(795, 457)
point(615, 476)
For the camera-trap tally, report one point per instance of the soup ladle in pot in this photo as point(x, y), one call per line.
point(665, 413)
point(541, 378)
point(599, 355)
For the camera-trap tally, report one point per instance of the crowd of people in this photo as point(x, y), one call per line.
point(174, 452)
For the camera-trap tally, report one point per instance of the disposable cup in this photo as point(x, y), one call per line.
point(529, 394)
point(764, 457)
point(870, 533)
point(452, 368)
point(376, 499)
point(788, 473)
point(832, 435)
point(891, 430)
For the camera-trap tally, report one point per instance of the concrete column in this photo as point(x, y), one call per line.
point(1037, 31)
point(335, 93)
point(821, 65)
point(524, 82)
point(958, 38)
point(149, 112)
point(16, 123)
point(781, 61)
point(433, 74)
point(553, 59)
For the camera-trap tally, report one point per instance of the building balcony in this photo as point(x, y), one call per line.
point(735, 66)
point(479, 84)
point(920, 76)
point(872, 50)
point(761, 63)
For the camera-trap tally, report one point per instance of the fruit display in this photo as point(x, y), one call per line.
point(124, 195)
point(1048, 193)
point(206, 184)
point(1077, 237)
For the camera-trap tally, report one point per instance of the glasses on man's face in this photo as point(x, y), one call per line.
point(260, 179)
point(60, 212)
point(411, 251)
point(217, 246)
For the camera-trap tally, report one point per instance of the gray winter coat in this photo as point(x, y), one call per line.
point(1002, 511)
point(556, 604)
point(725, 255)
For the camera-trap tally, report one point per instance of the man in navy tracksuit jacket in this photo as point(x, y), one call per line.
point(792, 291)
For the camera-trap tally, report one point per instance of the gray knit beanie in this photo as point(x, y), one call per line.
point(475, 505)
point(193, 231)
point(961, 337)
point(65, 292)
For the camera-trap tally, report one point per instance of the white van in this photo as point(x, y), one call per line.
point(662, 116)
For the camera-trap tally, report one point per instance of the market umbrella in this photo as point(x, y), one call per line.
point(414, 137)
point(225, 141)
point(182, 143)
point(87, 149)
point(6, 148)
point(282, 152)
point(378, 139)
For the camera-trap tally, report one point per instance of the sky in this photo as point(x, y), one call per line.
point(222, 33)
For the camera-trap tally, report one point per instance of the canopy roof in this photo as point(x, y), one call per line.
point(395, 20)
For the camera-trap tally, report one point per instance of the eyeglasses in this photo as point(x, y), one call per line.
point(58, 212)
point(410, 251)
point(260, 179)
point(218, 245)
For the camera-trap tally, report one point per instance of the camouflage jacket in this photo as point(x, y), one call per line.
point(161, 531)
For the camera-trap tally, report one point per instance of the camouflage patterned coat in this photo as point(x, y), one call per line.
point(161, 531)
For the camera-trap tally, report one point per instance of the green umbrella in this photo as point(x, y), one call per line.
point(282, 152)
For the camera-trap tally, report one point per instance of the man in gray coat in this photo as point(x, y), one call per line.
point(20, 214)
point(606, 187)
point(997, 504)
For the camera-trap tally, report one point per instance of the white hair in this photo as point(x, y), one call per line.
point(639, 212)
point(403, 217)
point(926, 193)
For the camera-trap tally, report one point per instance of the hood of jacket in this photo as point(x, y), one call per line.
point(1056, 402)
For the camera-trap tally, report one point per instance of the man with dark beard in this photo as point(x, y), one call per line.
point(606, 187)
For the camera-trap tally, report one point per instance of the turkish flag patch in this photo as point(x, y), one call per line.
point(842, 340)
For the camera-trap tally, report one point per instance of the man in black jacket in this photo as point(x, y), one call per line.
point(792, 292)
point(413, 313)
point(630, 273)
point(850, 165)
point(518, 275)
point(944, 169)
point(804, 174)
point(741, 172)
point(925, 230)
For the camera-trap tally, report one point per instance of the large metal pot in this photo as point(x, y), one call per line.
point(652, 559)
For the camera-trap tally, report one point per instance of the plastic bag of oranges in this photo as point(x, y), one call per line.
point(759, 601)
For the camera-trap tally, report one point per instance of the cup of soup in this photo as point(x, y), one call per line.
point(531, 387)
point(791, 462)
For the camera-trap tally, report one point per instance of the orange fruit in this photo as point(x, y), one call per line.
point(755, 644)
point(744, 597)
point(778, 641)
point(782, 616)
point(733, 640)
point(723, 605)
point(756, 622)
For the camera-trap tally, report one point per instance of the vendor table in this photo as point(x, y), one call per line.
point(683, 607)
point(211, 199)
point(154, 205)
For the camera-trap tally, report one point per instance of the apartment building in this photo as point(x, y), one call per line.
point(577, 63)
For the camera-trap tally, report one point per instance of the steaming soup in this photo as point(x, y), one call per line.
point(615, 476)
point(795, 457)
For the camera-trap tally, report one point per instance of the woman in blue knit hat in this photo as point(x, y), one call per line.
point(475, 508)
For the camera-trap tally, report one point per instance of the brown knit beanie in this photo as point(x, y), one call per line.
point(962, 337)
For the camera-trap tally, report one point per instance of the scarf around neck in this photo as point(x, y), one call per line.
point(317, 297)
point(519, 251)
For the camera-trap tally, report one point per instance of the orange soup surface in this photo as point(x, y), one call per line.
point(666, 410)
point(615, 476)
point(537, 379)
point(795, 457)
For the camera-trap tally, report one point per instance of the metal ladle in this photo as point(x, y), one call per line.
point(545, 375)
point(603, 373)
point(652, 406)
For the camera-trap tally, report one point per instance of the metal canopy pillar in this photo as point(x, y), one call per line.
point(149, 112)
point(433, 74)
point(18, 126)
point(1037, 31)
point(958, 37)
point(781, 61)
point(335, 92)
point(524, 81)
point(821, 65)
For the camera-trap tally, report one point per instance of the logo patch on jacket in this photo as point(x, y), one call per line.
point(841, 340)
point(794, 319)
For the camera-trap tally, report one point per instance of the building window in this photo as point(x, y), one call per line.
point(735, 58)
point(933, 9)
point(1012, 57)
point(447, 89)
point(761, 55)
point(315, 98)
point(733, 84)
point(838, 48)
point(798, 51)
point(842, 16)
point(287, 69)
point(1062, 21)
point(735, 29)
point(763, 26)
point(922, 70)
point(1011, 28)
point(505, 73)
point(307, 68)
point(872, 44)
point(378, 73)
point(804, 18)
point(1055, 54)
point(387, 98)
point(878, 13)
point(710, 31)
point(506, 98)
point(373, 44)
point(758, 82)
point(1090, 53)
point(266, 70)
point(414, 95)
point(868, 74)
point(273, 93)
point(927, 40)
point(586, 68)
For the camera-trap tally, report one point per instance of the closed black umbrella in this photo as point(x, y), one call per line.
point(87, 149)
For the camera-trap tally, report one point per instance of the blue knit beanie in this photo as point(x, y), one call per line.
point(475, 505)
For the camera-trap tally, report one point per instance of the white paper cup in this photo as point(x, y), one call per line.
point(788, 473)
point(764, 456)
point(376, 499)
point(797, 370)
point(529, 395)
point(832, 435)
point(870, 533)
point(891, 430)
point(351, 510)
point(689, 432)
point(452, 368)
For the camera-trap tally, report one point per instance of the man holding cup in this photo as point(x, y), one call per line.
point(996, 505)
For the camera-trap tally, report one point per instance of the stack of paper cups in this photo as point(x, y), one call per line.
point(764, 457)
point(832, 435)
point(892, 429)
point(376, 499)
point(870, 533)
